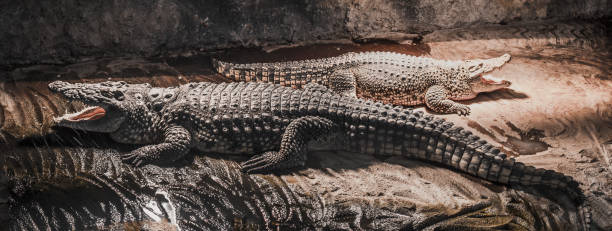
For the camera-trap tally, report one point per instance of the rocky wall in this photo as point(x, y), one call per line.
point(65, 31)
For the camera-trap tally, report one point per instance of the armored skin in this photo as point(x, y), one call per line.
point(388, 77)
point(276, 124)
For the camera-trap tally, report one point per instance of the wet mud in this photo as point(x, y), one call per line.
point(529, 142)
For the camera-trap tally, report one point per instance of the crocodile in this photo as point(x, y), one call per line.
point(388, 77)
point(277, 124)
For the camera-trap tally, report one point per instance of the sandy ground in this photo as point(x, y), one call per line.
point(556, 115)
point(558, 112)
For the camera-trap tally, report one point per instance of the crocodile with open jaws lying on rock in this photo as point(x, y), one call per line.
point(388, 77)
point(276, 123)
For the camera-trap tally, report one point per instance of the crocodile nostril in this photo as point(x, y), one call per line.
point(119, 95)
point(106, 94)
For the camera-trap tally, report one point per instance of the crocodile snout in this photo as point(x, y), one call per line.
point(56, 86)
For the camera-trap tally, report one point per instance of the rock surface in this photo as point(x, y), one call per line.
point(67, 31)
point(88, 188)
point(559, 107)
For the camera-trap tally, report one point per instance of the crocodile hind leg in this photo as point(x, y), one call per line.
point(437, 100)
point(176, 144)
point(343, 82)
point(292, 152)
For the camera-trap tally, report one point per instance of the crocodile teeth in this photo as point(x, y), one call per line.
point(493, 80)
point(89, 113)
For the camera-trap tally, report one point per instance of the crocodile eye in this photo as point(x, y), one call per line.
point(475, 68)
point(106, 94)
point(118, 95)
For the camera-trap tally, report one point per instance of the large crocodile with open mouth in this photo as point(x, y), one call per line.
point(277, 123)
point(383, 76)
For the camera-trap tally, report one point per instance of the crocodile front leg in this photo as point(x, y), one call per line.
point(176, 144)
point(437, 100)
point(292, 152)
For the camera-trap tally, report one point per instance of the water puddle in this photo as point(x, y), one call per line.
point(529, 142)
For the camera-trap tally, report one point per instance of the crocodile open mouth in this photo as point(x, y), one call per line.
point(487, 79)
point(89, 113)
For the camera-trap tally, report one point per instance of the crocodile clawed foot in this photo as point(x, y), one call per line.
point(261, 163)
point(461, 110)
point(135, 159)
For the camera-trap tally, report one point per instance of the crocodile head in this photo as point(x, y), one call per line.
point(475, 73)
point(110, 105)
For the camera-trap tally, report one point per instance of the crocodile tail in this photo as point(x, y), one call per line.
point(521, 174)
point(295, 74)
point(221, 67)
point(380, 129)
point(460, 149)
point(252, 72)
point(417, 135)
point(291, 73)
point(478, 158)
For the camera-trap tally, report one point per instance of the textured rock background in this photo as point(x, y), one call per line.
point(61, 31)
